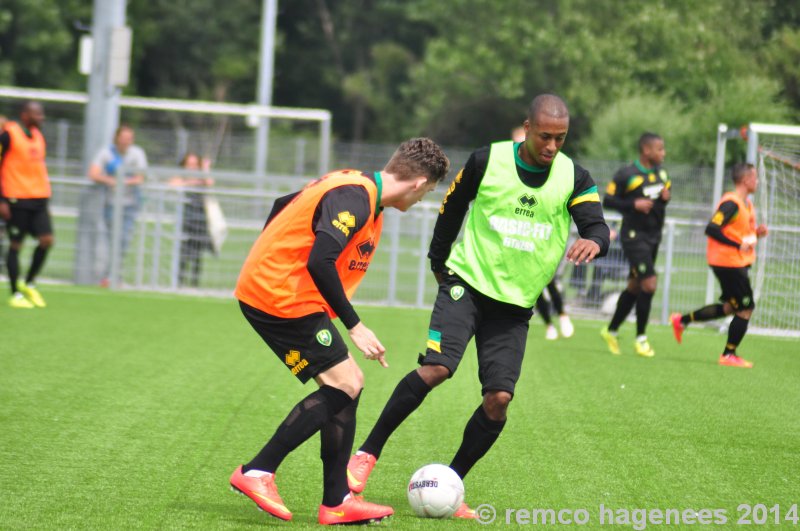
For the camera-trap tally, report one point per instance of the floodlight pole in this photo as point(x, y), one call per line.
point(101, 118)
point(269, 15)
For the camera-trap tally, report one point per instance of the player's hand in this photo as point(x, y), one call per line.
point(665, 194)
point(367, 342)
point(643, 205)
point(438, 276)
point(762, 231)
point(5, 211)
point(745, 247)
point(583, 251)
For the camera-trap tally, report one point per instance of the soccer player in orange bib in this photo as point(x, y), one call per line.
point(732, 237)
point(24, 197)
point(301, 273)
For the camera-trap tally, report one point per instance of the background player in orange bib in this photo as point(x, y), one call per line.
point(24, 197)
point(732, 237)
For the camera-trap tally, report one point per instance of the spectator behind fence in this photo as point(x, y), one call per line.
point(122, 155)
point(194, 228)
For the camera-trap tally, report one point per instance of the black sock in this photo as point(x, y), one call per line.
point(39, 256)
point(305, 419)
point(407, 396)
point(336, 444)
point(736, 332)
point(12, 262)
point(543, 307)
point(643, 304)
point(624, 307)
point(555, 298)
point(479, 435)
point(706, 313)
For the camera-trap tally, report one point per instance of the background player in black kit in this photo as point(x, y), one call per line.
point(640, 192)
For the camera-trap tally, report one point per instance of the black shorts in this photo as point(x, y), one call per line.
point(500, 330)
point(641, 255)
point(736, 289)
point(28, 216)
point(308, 345)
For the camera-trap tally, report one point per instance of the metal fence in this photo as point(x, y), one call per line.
point(157, 255)
point(164, 250)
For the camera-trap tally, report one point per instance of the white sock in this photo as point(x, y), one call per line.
point(256, 473)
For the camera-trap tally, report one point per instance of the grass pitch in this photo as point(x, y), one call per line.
point(129, 411)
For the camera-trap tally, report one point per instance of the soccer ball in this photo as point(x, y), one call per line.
point(435, 491)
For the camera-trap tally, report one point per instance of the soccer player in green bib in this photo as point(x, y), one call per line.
point(524, 196)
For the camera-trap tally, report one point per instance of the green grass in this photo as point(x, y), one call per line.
point(129, 411)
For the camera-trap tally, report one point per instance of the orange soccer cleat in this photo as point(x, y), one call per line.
point(358, 470)
point(353, 510)
point(261, 490)
point(465, 512)
point(677, 326)
point(732, 360)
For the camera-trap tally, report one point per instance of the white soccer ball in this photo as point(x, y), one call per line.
point(435, 491)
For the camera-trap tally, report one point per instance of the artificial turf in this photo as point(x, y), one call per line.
point(130, 411)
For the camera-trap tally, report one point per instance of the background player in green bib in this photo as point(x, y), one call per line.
point(640, 191)
point(524, 197)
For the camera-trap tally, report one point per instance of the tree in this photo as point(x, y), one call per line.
point(38, 43)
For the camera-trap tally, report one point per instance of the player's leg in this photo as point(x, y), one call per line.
point(337, 434)
point(500, 340)
point(543, 308)
point(18, 227)
point(42, 229)
point(452, 325)
point(307, 354)
point(740, 296)
point(644, 303)
point(625, 303)
point(564, 323)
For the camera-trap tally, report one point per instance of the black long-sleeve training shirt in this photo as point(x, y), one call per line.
point(724, 214)
point(587, 215)
point(634, 182)
point(330, 242)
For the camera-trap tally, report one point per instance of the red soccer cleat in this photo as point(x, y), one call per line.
point(261, 490)
point(358, 470)
point(677, 326)
point(353, 510)
point(732, 360)
point(465, 512)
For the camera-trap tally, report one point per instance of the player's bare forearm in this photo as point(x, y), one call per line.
point(583, 251)
point(367, 342)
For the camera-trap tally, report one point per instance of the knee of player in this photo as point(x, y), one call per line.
point(433, 375)
point(650, 284)
point(496, 404)
point(745, 314)
point(46, 241)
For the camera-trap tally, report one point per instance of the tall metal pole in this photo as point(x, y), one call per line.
point(269, 15)
point(101, 118)
point(102, 110)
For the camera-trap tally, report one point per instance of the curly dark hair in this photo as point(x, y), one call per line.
point(419, 156)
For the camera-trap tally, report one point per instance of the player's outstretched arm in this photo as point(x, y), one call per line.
point(367, 342)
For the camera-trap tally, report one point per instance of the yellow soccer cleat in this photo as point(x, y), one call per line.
point(32, 294)
point(644, 349)
point(611, 341)
point(17, 300)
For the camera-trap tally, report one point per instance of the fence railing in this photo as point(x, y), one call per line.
point(167, 251)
